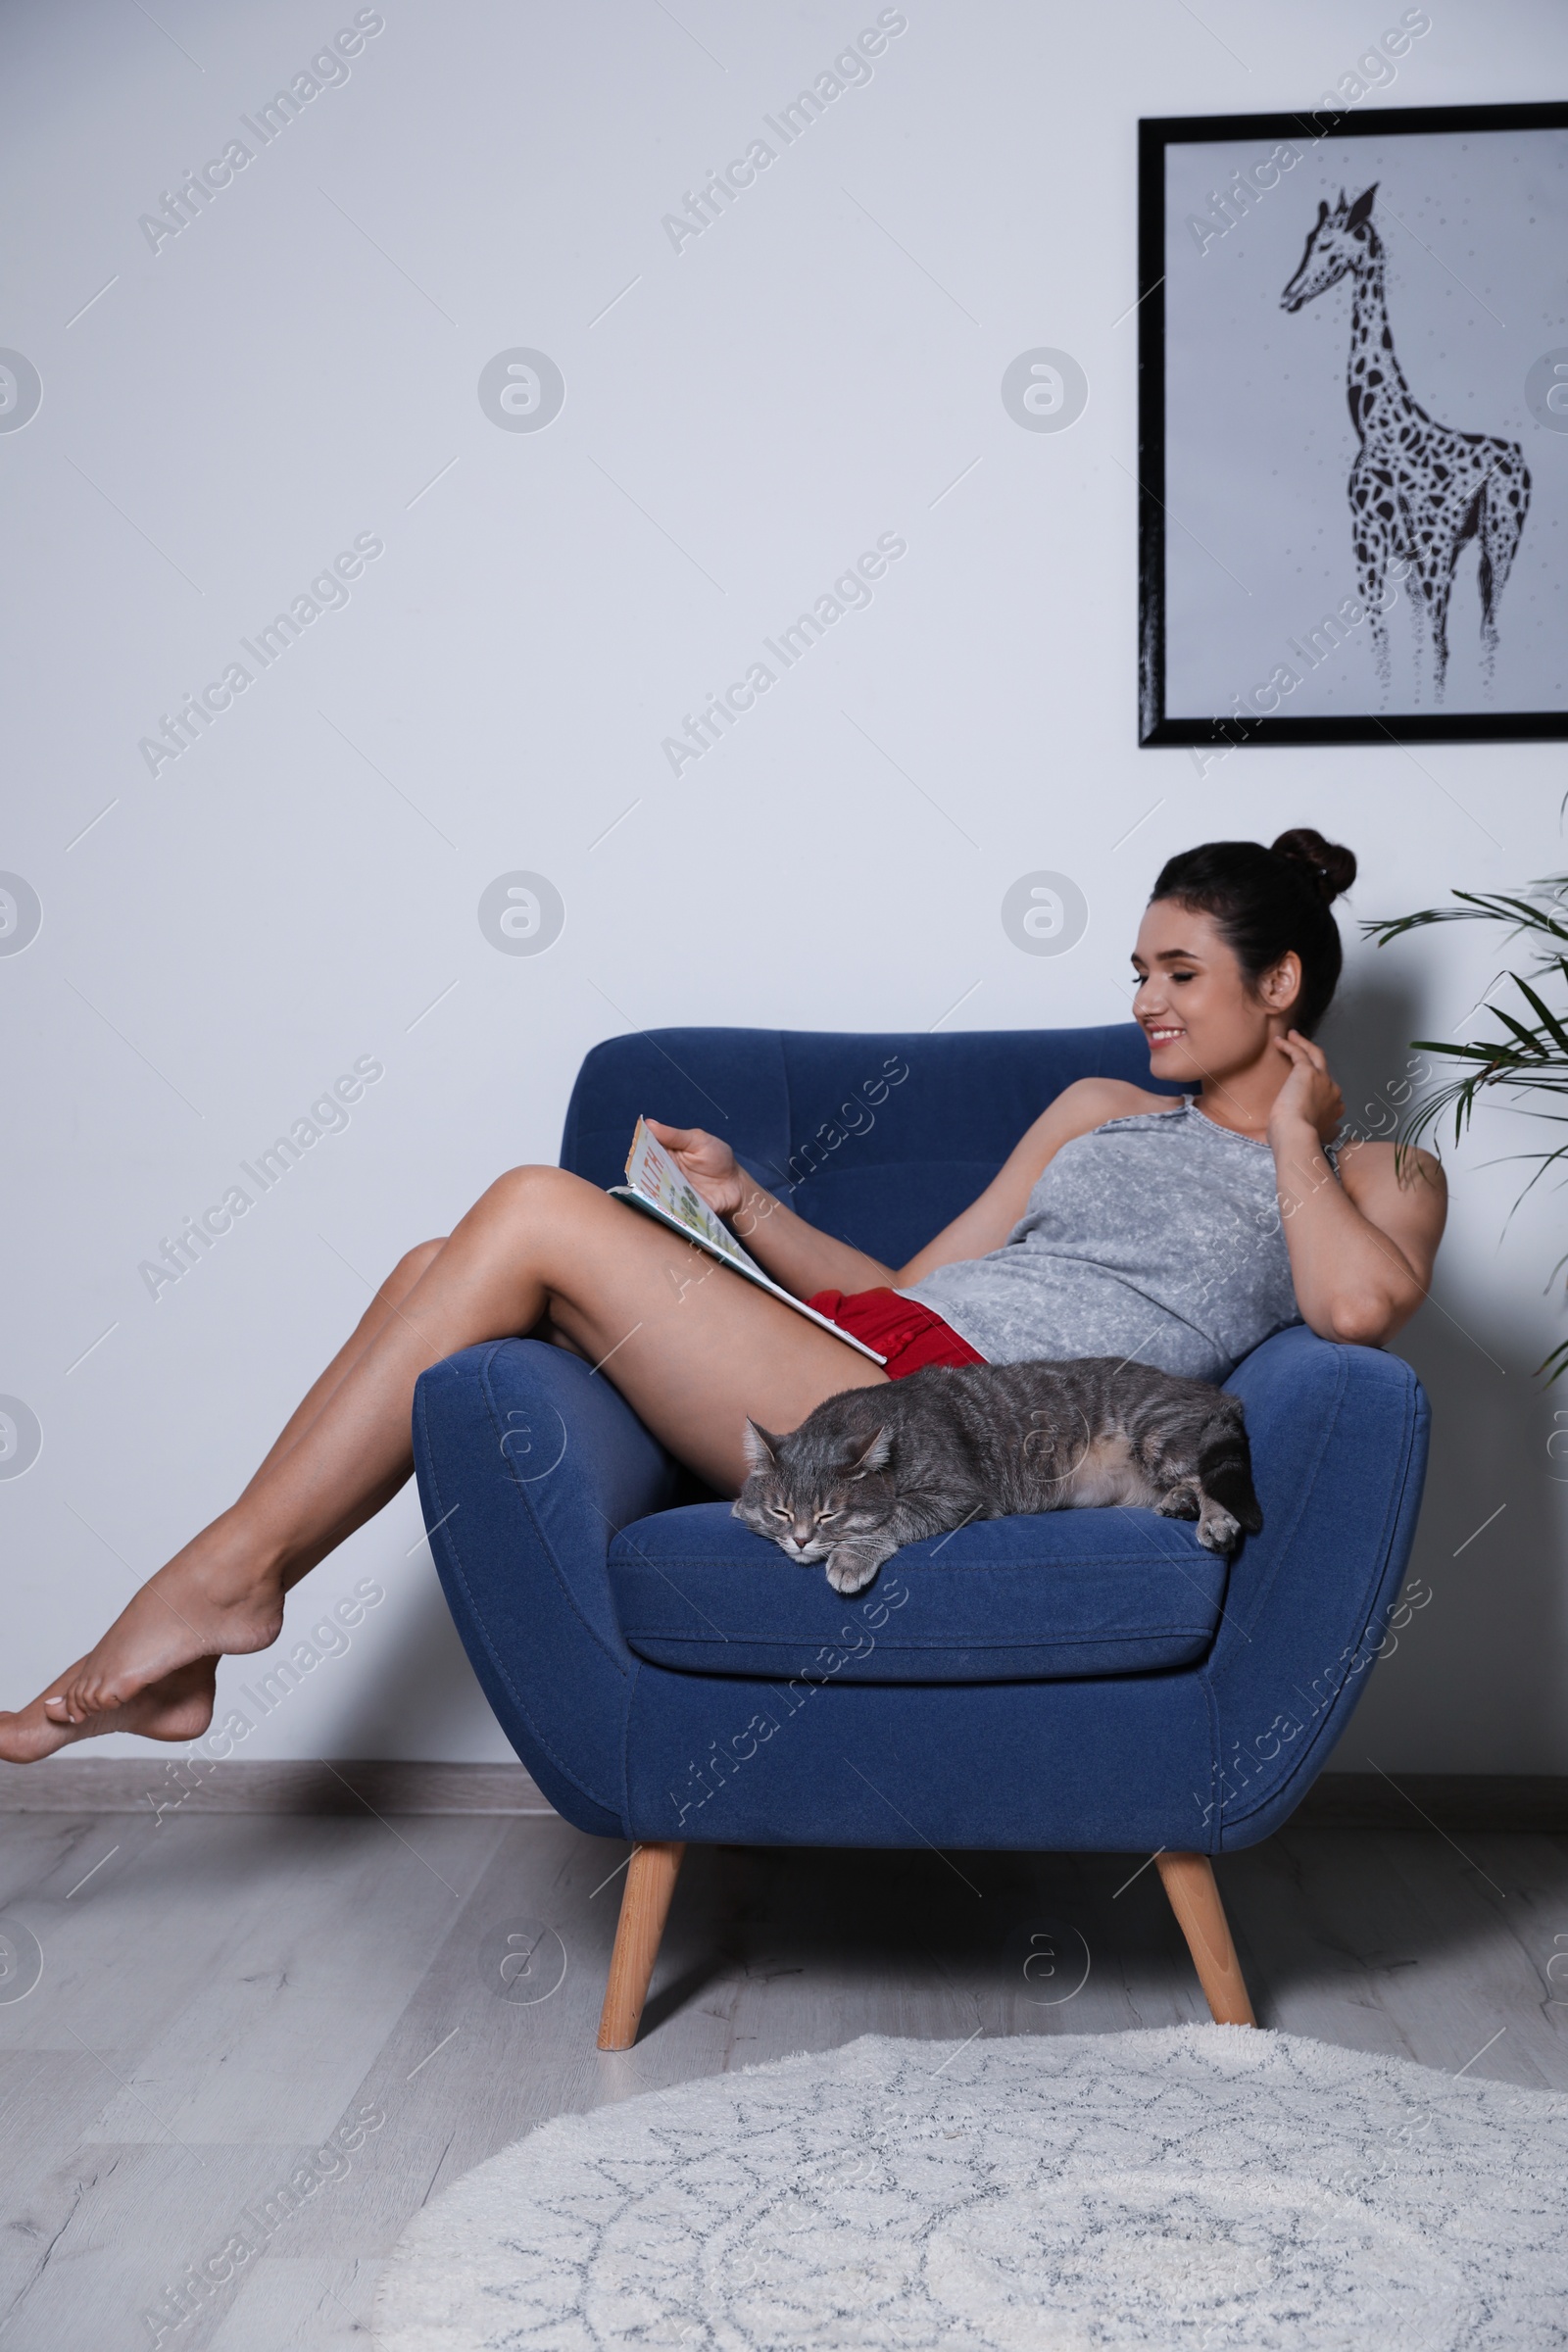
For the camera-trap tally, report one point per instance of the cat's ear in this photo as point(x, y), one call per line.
point(761, 1450)
point(875, 1455)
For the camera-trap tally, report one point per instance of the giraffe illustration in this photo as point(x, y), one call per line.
point(1418, 490)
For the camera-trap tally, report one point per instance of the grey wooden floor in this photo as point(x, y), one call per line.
point(224, 1992)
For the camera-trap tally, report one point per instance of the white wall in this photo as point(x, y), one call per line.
point(817, 368)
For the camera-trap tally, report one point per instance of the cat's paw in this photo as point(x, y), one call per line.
point(1178, 1502)
point(1217, 1531)
point(850, 1571)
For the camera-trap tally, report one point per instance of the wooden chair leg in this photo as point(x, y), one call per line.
point(1189, 1880)
point(651, 1879)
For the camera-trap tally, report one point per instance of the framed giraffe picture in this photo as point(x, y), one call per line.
point(1354, 424)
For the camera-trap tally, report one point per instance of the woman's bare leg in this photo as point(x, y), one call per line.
point(692, 1346)
point(179, 1705)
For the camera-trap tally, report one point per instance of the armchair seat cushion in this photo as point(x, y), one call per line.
point(1067, 1596)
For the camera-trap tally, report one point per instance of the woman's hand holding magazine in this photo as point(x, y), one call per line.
point(708, 1164)
point(691, 1185)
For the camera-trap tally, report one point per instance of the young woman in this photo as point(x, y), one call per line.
point(1181, 1232)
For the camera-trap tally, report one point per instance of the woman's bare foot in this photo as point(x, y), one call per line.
point(197, 1608)
point(178, 1707)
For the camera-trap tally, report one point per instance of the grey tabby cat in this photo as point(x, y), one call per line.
point(877, 1468)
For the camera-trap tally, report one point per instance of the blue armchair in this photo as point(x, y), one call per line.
point(1092, 1680)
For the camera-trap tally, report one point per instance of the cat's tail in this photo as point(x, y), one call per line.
point(1225, 1466)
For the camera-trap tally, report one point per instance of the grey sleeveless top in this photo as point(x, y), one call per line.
point(1156, 1237)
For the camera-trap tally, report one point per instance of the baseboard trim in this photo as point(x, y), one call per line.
point(71, 1783)
point(1449, 1802)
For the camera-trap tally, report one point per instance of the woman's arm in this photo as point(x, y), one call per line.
point(804, 1260)
point(1362, 1249)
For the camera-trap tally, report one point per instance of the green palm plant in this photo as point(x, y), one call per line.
point(1529, 1060)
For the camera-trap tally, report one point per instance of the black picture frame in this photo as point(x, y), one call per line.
point(1158, 728)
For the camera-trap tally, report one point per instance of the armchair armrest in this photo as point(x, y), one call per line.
point(528, 1464)
point(1339, 1439)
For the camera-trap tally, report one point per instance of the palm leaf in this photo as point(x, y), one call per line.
point(1549, 1021)
point(1527, 1059)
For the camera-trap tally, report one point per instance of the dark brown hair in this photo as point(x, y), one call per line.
point(1269, 901)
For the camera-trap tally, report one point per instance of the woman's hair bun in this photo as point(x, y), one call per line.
point(1332, 866)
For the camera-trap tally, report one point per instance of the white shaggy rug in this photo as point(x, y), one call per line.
point(1205, 2188)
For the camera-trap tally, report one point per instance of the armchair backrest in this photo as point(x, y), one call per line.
point(879, 1140)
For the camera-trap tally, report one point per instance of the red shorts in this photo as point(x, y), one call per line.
point(907, 1333)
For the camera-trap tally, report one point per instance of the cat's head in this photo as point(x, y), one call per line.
point(807, 1491)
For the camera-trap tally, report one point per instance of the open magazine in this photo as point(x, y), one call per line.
point(656, 1185)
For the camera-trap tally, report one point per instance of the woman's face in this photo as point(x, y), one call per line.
point(1195, 1009)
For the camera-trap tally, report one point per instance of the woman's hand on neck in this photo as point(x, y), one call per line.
point(1308, 1101)
point(1287, 1091)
